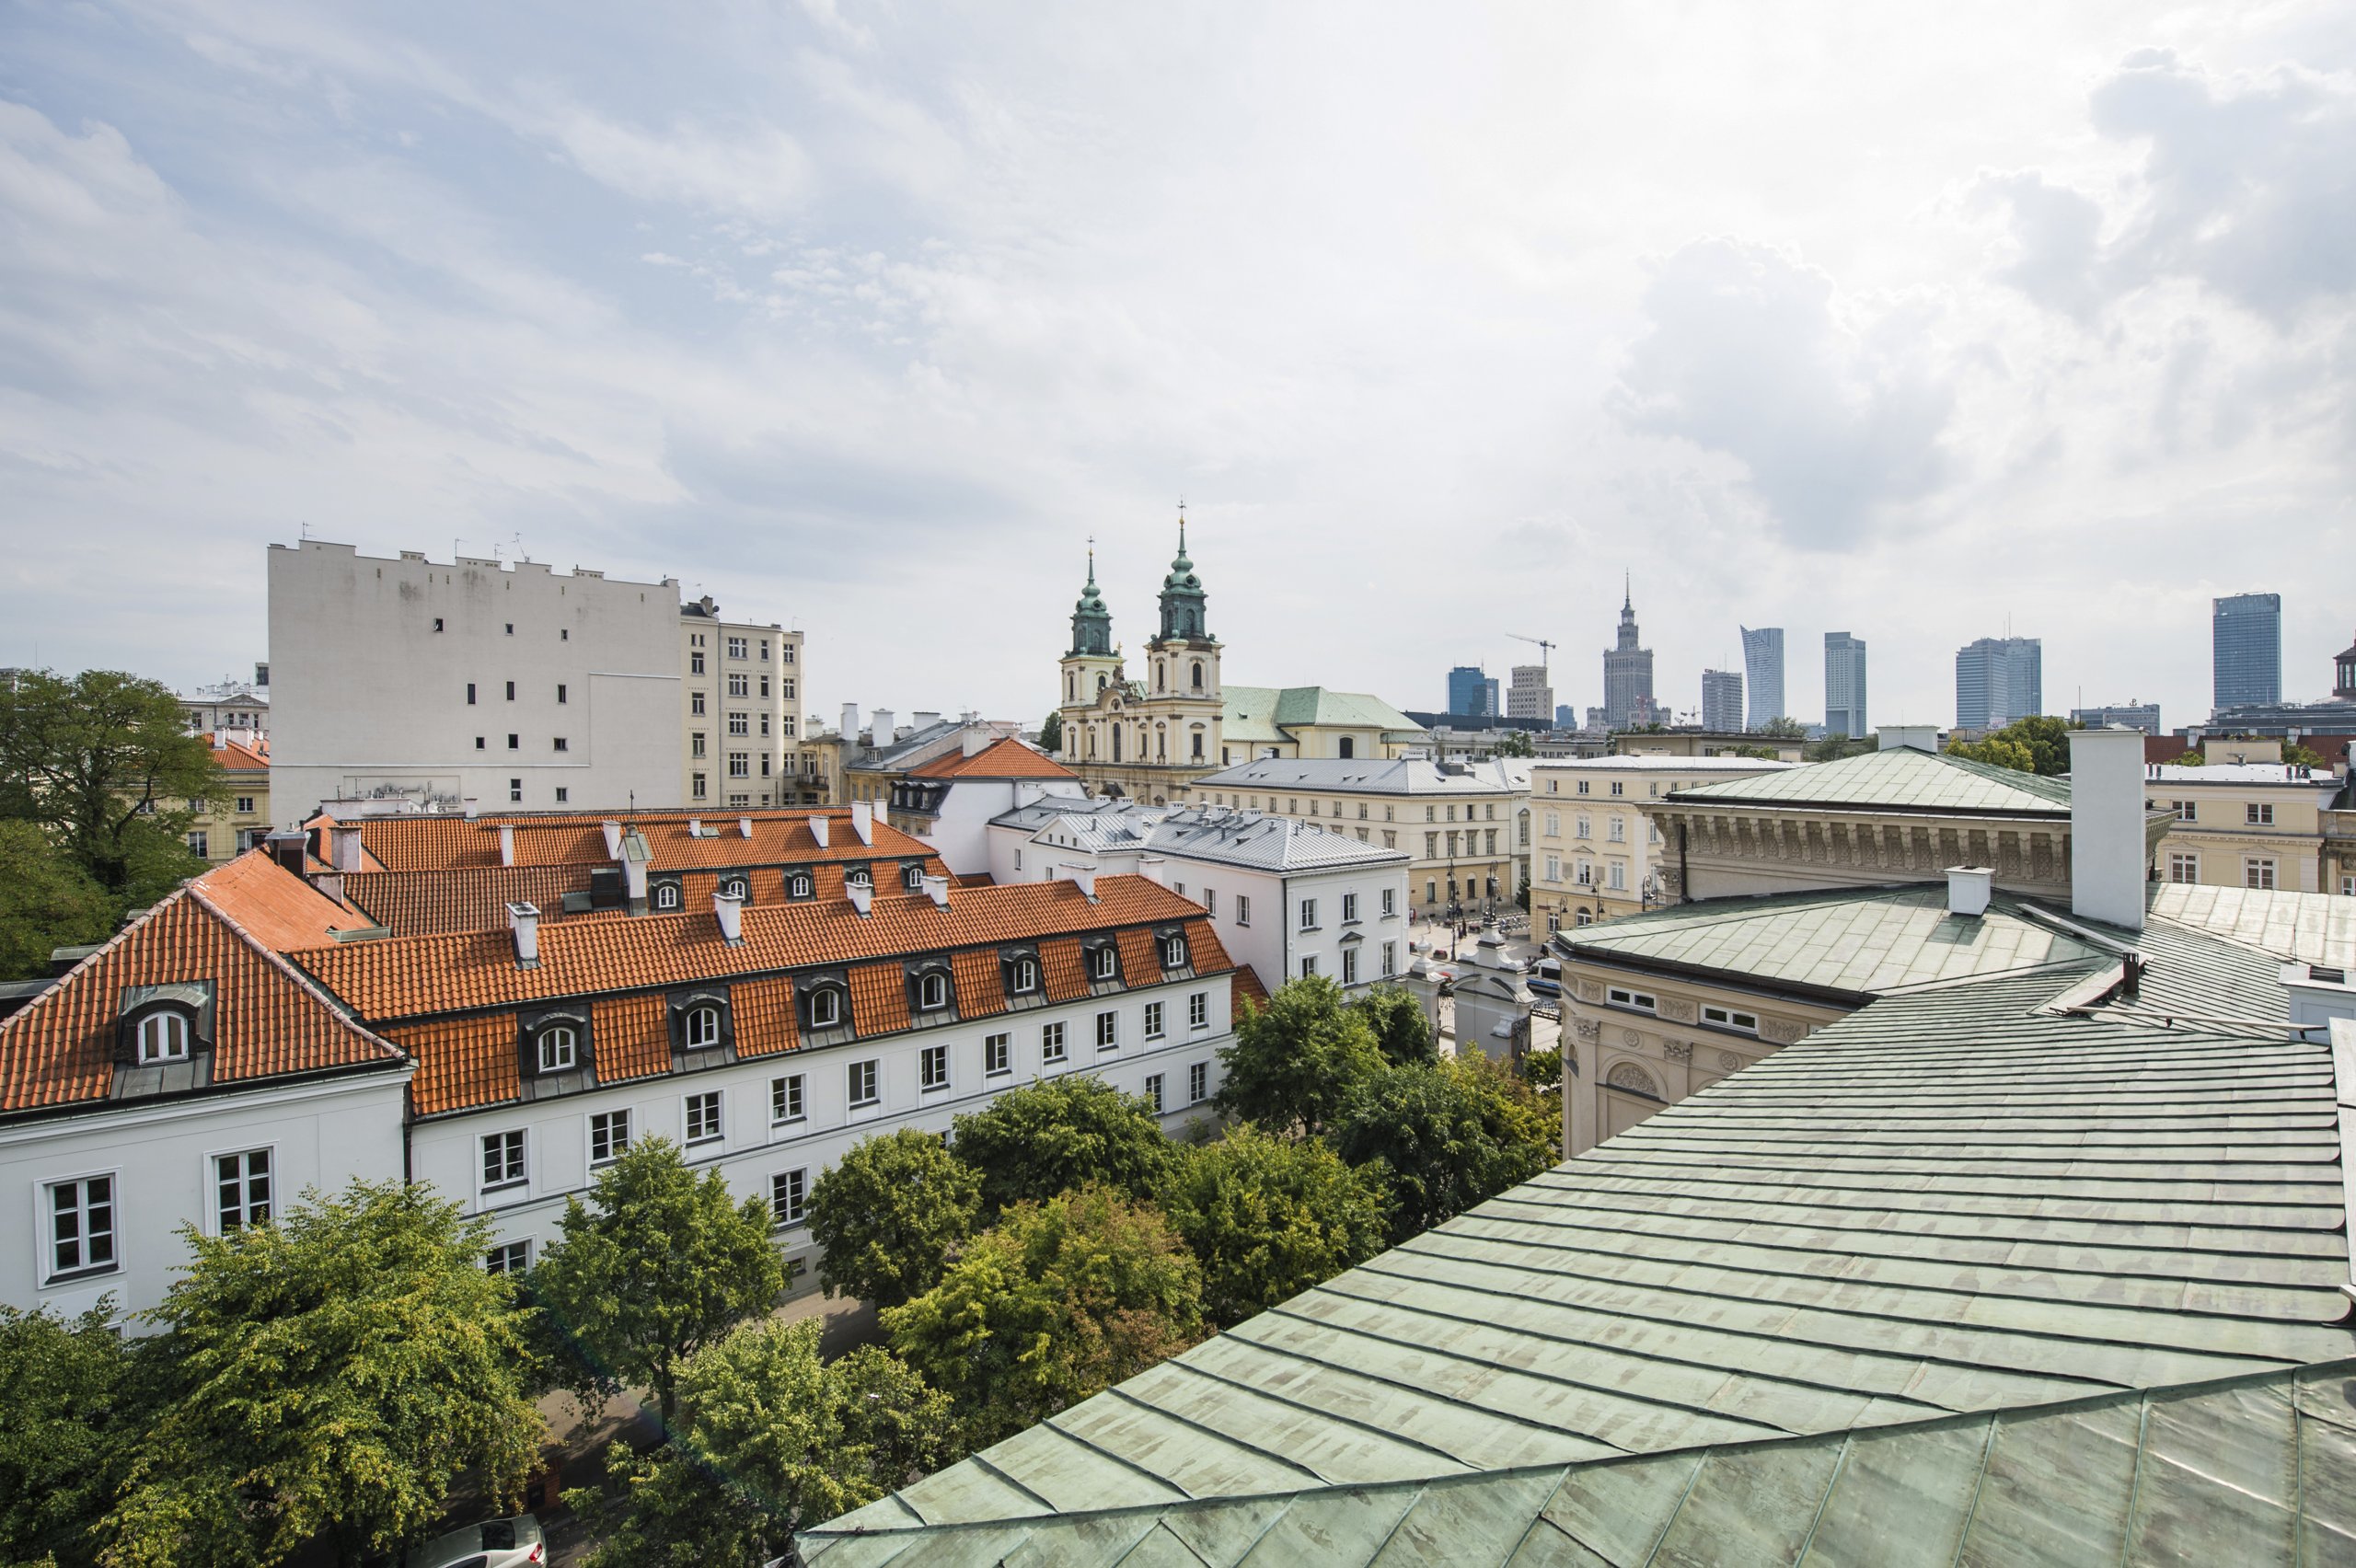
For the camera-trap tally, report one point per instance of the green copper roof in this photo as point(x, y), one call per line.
point(1953, 1202)
point(1896, 776)
point(2252, 1471)
point(1265, 713)
point(1863, 944)
point(2312, 928)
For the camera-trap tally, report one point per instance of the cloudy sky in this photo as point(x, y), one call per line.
point(1910, 321)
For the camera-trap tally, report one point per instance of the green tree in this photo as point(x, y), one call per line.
point(1051, 733)
point(1833, 748)
point(1268, 1218)
point(1542, 1068)
point(1784, 729)
point(770, 1438)
point(1445, 1138)
point(658, 1264)
point(2297, 755)
point(330, 1374)
point(2190, 759)
point(105, 763)
point(1995, 751)
point(1056, 1134)
point(1516, 743)
point(1057, 1302)
point(46, 902)
point(1401, 1029)
point(890, 1214)
point(2036, 744)
point(75, 1407)
point(1294, 1060)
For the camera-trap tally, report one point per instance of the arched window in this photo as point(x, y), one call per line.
point(1102, 680)
point(1160, 671)
point(1071, 689)
point(733, 887)
point(859, 876)
point(797, 885)
point(1173, 952)
point(667, 897)
point(932, 991)
point(825, 1009)
point(560, 1048)
point(1349, 746)
point(162, 1037)
point(1199, 675)
point(1026, 976)
point(1633, 1079)
point(912, 877)
point(703, 1027)
point(1101, 962)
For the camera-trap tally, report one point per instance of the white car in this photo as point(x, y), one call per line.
point(513, 1543)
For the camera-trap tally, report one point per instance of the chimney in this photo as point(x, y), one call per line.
point(474, 808)
point(1154, 868)
point(613, 840)
point(525, 921)
point(506, 844)
point(818, 829)
point(730, 909)
point(850, 723)
point(695, 827)
point(2108, 852)
point(1967, 888)
point(292, 850)
point(1086, 877)
point(345, 838)
point(937, 889)
point(924, 721)
point(884, 734)
point(975, 740)
point(1917, 737)
point(744, 826)
point(863, 820)
point(863, 896)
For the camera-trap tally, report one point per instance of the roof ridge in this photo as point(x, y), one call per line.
point(57, 987)
point(278, 960)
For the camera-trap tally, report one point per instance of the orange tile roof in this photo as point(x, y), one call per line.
point(879, 998)
point(1005, 758)
point(416, 976)
point(417, 904)
point(279, 908)
point(1141, 964)
point(1247, 989)
point(268, 1018)
point(1204, 949)
point(981, 990)
point(779, 839)
point(765, 1018)
point(240, 757)
point(461, 1061)
point(974, 879)
point(631, 1038)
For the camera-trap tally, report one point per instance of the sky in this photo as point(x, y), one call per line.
point(1916, 322)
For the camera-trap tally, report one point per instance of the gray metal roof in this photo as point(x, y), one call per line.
point(1896, 777)
point(1255, 839)
point(2312, 927)
point(1399, 775)
point(2254, 1473)
point(1954, 1202)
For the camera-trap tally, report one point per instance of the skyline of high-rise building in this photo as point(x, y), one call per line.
point(1627, 669)
point(2246, 648)
point(1530, 696)
point(1998, 680)
point(1721, 701)
point(1472, 692)
point(1844, 684)
point(1763, 668)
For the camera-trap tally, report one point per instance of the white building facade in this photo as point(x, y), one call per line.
point(741, 718)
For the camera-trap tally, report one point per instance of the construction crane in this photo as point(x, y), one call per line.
point(1546, 650)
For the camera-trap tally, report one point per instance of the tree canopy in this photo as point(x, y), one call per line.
point(327, 1374)
point(1784, 729)
point(46, 902)
point(1516, 743)
point(1401, 1031)
point(104, 763)
point(74, 1405)
point(1294, 1059)
point(658, 1264)
point(890, 1213)
point(1055, 1133)
point(1268, 1217)
point(1051, 733)
point(1444, 1136)
point(1057, 1302)
point(2039, 744)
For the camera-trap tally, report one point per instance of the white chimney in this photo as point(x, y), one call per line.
point(345, 838)
point(506, 844)
point(850, 723)
point(744, 826)
point(525, 921)
point(924, 721)
point(937, 889)
point(695, 827)
point(975, 741)
point(634, 882)
point(2108, 852)
point(862, 896)
point(1919, 737)
point(884, 734)
point(613, 841)
point(818, 829)
point(1154, 868)
point(474, 808)
point(1967, 888)
point(729, 906)
point(863, 820)
point(1086, 877)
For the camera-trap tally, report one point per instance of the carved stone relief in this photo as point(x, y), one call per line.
point(1587, 1029)
point(1677, 1008)
point(1677, 1050)
point(1782, 1030)
point(1729, 1060)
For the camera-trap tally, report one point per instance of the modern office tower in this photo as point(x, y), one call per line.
point(1844, 684)
point(1997, 680)
point(1721, 701)
point(2246, 648)
point(1471, 693)
point(2143, 716)
point(1566, 717)
point(1762, 661)
point(1529, 697)
point(1627, 670)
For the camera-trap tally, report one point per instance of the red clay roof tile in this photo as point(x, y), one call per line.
point(879, 998)
point(1005, 758)
point(461, 1062)
point(981, 989)
point(630, 1037)
point(765, 1020)
point(1141, 964)
point(1061, 965)
point(419, 904)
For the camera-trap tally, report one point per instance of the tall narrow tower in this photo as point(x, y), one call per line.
point(1092, 664)
point(1627, 670)
point(1182, 691)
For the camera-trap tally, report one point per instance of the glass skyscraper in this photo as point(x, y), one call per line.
point(1844, 684)
point(1997, 680)
point(1470, 692)
point(1762, 665)
point(2246, 645)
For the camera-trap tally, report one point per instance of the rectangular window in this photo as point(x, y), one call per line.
point(197, 842)
point(503, 1159)
point(1349, 909)
point(1620, 875)
point(740, 686)
point(81, 1226)
point(1242, 910)
point(508, 1258)
point(246, 806)
point(1051, 1042)
point(1153, 1092)
point(736, 648)
point(1389, 901)
point(560, 744)
point(738, 724)
point(695, 663)
point(511, 691)
point(1643, 1001)
point(2257, 871)
point(786, 1189)
point(739, 765)
point(1349, 967)
point(2184, 868)
point(1728, 1018)
point(697, 788)
point(563, 794)
point(241, 1189)
point(515, 741)
point(560, 691)
point(470, 689)
point(1199, 1010)
point(785, 1099)
point(1389, 960)
point(703, 1116)
point(998, 1054)
point(1210, 899)
point(932, 1067)
point(861, 1077)
point(1108, 1030)
point(1431, 846)
point(608, 1136)
point(2186, 810)
point(1308, 966)
point(2259, 815)
point(1198, 1083)
point(1309, 914)
point(695, 703)
point(1153, 1020)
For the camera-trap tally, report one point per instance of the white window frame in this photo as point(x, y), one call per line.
point(2183, 866)
point(786, 1213)
point(1054, 1042)
point(1731, 1019)
point(998, 1055)
point(2262, 872)
point(1153, 1030)
point(518, 1139)
point(1026, 976)
point(932, 992)
point(932, 1068)
point(1309, 914)
point(549, 1036)
point(2258, 814)
point(702, 1016)
point(1104, 962)
point(667, 895)
point(831, 1000)
point(1153, 1092)
point(1349, 909)
point(506, 1252)
point(1308, 966)
point(788, 1098)
point(613, 1151)
point(1389, 960)
point(45, 1232)
point(866, 1074)
point(715, 1127)
point(1173, 952)
point(1635, 1001)
point(1198, 1083)
point(213, 1183)
point(163, 1038)
point(1389, 901)
point(1108, 1030)
point(1243, 909)
point(1349, 967)
point(1199, 1010)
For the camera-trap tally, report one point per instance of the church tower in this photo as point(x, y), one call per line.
point(1092, 664)
point(1183, 701)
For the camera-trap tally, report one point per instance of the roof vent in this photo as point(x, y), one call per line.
point(506, 844)
point(613, 841)
point(524, 919)
point(937, 889)
point(728, 906)
point(863, 820)
point(744, 826)
point(818, 829)
point(1085, 876)
point(1968, 889)
point(863, 896)
point(695, 827)
point(344, 836)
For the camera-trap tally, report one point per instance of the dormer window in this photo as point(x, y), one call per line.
point(162, 1037)
point(1173, 952)
point(860, 876)
point(797, 885)
point(1103, 963)
point(932, 992)
point(912, 876)
point(1025, 978)
point(732, 887)
point(701, 1028)
point(560, 1048)
point(825, 1009)
point(666, 896)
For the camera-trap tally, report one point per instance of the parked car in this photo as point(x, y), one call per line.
point(1541, 987)
point(512, 1542)
point(1546, 976)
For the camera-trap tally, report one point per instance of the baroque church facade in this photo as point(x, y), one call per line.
point(1148, 738)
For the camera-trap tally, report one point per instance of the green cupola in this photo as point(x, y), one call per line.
point(1183, 598)
point(1092, 623)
